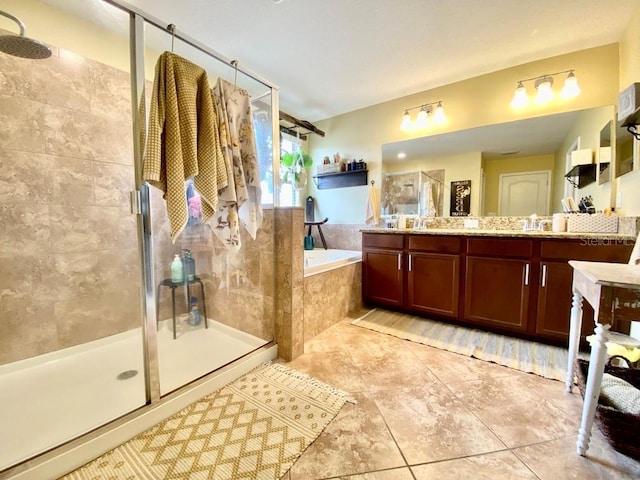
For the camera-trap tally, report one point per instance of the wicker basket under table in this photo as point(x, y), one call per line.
point(621, 429)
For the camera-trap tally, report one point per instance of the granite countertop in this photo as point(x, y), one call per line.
point(474, 232)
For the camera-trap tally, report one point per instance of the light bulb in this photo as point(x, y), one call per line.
point(545, 94)
point(570, 88)
point(423, 118)
point(520, 98)
point(406, 121)
point(438, 114)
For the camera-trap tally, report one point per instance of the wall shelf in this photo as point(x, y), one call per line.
point(585, 174)
point(350, 178)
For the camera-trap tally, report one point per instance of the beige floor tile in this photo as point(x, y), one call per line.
point(356, 441)
point(335, 368)
point(558, 459)
point(394, 474)
point(327, 341)
point(515, 413)
point(429, 423)
point(452, 367)
point(493, 466)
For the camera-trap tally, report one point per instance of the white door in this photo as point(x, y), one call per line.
point(522, 194)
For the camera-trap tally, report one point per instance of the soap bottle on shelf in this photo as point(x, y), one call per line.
point(194, 313)
point(177, 270)
point(189, 265)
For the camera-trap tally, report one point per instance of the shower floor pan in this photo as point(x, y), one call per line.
point(48, 400)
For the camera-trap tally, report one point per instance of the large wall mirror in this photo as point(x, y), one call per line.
point(515, 168)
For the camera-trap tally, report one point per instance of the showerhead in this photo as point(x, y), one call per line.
point(21, 46)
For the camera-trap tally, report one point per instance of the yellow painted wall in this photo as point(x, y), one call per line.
point(495, 167)
point(478, 101)
point(629, 185)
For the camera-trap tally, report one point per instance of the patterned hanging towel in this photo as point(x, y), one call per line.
point(182, 139)
point(240, 201)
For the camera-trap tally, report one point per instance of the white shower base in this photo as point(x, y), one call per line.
point(50, 399)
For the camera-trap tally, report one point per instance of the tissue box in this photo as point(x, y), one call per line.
point(597, 223)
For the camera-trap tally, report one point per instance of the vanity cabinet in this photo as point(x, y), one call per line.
point(382, 273)
point(556, 277)
point(433, 275)
point(498, 282)
point(520, 286)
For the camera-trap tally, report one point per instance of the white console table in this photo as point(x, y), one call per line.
point(613, 290)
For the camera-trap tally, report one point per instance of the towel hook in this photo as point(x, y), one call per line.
point(373, 182)
point(172, 28)
point(234, 64)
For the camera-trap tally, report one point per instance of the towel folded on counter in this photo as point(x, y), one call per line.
point(372, 215)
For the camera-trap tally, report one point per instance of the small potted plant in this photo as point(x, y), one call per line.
point(294, 168)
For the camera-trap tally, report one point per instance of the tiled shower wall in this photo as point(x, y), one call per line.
point(68, 245)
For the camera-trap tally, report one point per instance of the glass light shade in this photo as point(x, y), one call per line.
point(545, 94)
point(438, 114)
point(423, 118)
point(570, 88)
point(520, 97)
point(406, 121)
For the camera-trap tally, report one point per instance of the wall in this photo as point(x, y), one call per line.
point(68, 252)
point(628, 184)
point(494, 167)
point(482, 100)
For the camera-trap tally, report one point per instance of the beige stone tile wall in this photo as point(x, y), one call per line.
point(331, 296)
point(340, 236)
point(68, 245)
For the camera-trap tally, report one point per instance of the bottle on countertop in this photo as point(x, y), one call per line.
point(177, 270)
point(189, 265)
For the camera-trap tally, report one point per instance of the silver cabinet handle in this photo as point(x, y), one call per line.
point(544, 275)
point(410, 262)
point(526, 274)
point(399, 261)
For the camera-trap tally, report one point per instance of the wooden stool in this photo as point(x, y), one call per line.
point(317, 224)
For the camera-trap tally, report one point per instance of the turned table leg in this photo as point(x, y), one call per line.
point(592, 390)
point(574, 337)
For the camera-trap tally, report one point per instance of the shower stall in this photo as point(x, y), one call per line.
point(86, 314)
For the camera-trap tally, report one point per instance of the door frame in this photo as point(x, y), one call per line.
point(529, 172)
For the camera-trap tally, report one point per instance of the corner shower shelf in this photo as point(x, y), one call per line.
point(352, 178)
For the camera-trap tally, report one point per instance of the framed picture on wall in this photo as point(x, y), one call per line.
point(460, 205)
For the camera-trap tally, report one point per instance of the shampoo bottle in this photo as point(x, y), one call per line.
point(177, 271)
point(189, 265)
point(194, 314)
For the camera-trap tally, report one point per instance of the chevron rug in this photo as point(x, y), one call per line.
point(532, 357)
point(254, 428)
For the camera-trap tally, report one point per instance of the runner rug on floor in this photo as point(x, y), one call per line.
point(532, 357)
point(253, 428)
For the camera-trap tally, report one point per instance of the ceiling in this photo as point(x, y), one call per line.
point(330, 57)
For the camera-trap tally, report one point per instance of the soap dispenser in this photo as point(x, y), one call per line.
point(189, 266)
point(177, 270)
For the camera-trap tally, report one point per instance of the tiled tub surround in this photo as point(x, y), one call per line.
point(68, 252)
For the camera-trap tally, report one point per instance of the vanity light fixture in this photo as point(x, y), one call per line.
point(544, 92)
point(426, 115)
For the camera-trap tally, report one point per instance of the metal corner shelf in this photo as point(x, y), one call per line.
point(350, 178)
point(586, 174)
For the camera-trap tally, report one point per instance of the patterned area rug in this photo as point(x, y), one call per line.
point(254, 428)
point(531, 357)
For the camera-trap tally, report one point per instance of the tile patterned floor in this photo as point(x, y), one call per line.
point(424, 413)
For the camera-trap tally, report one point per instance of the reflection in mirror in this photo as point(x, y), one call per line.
point(626, 150)
point(491, 155)
point(604, 154)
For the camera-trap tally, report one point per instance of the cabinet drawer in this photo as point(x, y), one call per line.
point(589, 249)
point(500, 247)
point(383, 240)
point(430, 243)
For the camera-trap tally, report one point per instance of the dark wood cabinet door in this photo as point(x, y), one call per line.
point(554, 302)
point(497, 292)
point(433, 283)
point(382, 280)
